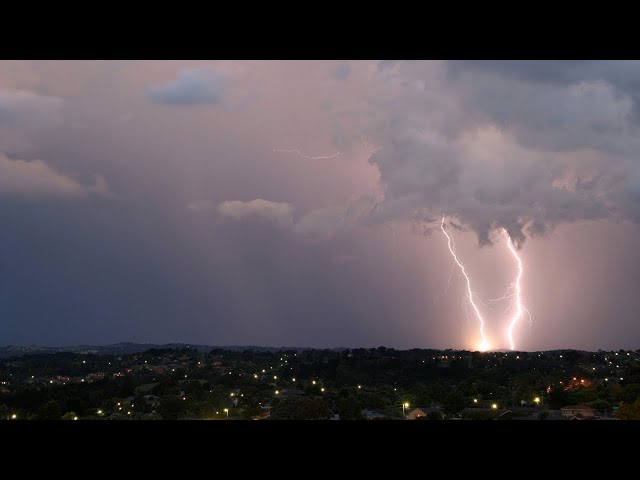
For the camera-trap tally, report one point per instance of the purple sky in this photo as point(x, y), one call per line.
point(299, 202)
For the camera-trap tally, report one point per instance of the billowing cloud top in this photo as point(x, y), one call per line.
point(524, 146)
point(36, 179)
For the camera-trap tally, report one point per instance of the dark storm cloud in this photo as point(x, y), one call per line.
point(194, 86)
point(524, 146)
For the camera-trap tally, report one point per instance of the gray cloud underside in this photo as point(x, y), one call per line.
point(35, 179)
point(28, 110)
point(524, 146)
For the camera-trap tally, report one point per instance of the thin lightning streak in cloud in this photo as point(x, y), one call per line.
point(466, 311)
point(488, 307)
point(506, 295)
point(484, 345)
point(508, 308)
point(446, 287)
point(295, 150)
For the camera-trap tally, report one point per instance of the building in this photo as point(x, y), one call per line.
point(579, 411)
point(376, 414)
point(415, 413)
point(420, 412)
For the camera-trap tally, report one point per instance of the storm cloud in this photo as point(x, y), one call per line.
point(498, 146)
point(35, 179)
point(164, 201)
point(257, 209)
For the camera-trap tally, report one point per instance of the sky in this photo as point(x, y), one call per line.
point(300, 203)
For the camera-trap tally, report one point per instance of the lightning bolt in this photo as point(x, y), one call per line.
point(295, 150)
point(517, 291)
point(484, 344)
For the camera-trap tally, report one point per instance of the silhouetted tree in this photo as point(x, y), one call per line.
point(49, 411)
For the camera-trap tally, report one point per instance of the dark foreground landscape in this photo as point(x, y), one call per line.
point(136, 382)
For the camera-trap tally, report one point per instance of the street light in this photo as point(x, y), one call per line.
point(226, 410)
point(494, 406)
point(537, 400)
point(405, 405)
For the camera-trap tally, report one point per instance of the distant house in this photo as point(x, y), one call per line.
point(263, 416)
point(476, 413)
point(374, 414)
point(291, 392)
point(420, 412)
point(578, 411)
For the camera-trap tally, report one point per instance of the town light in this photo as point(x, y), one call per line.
point(226, 410)
point(537, 399)
point(14, 416)
point(475, 400)
point(494, 406)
